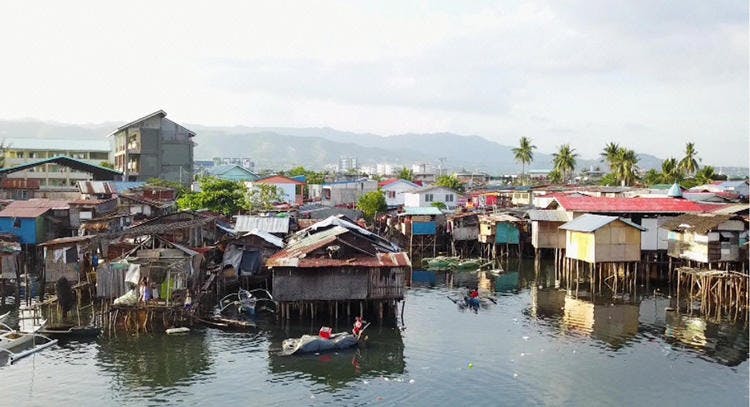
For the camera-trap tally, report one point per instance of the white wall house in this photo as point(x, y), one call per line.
point(394, 189)
point(426, 196)
point(290, 189)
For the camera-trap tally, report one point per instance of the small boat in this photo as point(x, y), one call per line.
point(13, 342)
point(176, 331)
point(440, 262)
point(69, 331)
point(247, 302)
point(317, 343)
point(468, 264)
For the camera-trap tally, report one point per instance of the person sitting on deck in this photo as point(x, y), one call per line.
point(358, 325)
point(145, 290)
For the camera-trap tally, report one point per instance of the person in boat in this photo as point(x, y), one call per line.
point(474, 293)
point(359, 324)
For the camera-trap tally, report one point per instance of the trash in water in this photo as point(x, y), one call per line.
point(411, 381)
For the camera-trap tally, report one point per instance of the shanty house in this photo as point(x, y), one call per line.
point(36, 220)
point(64, 257)
point(705, 238)
point(602, 239)
point(275, 225)
point(336, 260)
point(545, 228)
point(247, 253)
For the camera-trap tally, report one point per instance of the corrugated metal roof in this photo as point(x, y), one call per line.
point(67, 240)
point(499, 217)
point(18, 143)
point(626, 205)
point(270, 224)
point(590, 223)
point(96, 187)
point(732, 209)
point(548, 215)
point(343, 223)
point(274, 240)
point(32, 208)
point(422, 210)
point(699, 223)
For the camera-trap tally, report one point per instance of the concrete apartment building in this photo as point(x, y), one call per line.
point(154, 147)
point(20, 151)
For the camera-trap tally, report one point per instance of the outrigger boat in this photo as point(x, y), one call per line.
point(319, 343)
point(236, 310)
point(69, 331)
point(11, 339)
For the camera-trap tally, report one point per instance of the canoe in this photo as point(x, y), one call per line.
point(441, 262)
point(316, 343)
point(70, 331)
point(11, 339)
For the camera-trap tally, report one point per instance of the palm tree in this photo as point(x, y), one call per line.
point(564, 160)
point(524, 153)
point(609, 153)
point(625, 166)
point(671, 171)
point(554, 177)
point(652, 177)
point(705, 175)
point(689, 163)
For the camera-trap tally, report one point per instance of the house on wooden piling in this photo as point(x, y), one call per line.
point(67, 257)
point(10, 251)
point(602, 239)
point(36, 220)
point(422, 227)
point(545, 228)
point(705, 238)
point(464, 232)
point(500, 231)
point(335, 266)
point(247, 254)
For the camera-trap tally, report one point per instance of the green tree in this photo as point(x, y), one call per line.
point(609, 153)
point(439, 205)
point(625, 166)
point(107, 164)
point(689, 163)
point(608, 180)
point(670, 171)
point(524, 154)
point(406, 173)
point(158, 182)
point(705, 175)
point(555, 177)
point(372, 203)
point(652, 177)
point(564, 161)
point(311, 177)
point(450, 181)
point(262, 197)
point(217, 195)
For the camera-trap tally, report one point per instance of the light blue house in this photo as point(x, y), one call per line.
point(27, 220)
point(232, 172)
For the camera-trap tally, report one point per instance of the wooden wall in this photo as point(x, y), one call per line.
point(546, 235)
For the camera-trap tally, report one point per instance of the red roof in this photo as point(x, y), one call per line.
point(627, 205)
point(32, 208)
point(279, 179)
point(389, 181)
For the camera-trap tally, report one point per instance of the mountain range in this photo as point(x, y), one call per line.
point(285, 147)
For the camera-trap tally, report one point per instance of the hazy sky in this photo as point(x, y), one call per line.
point(648, 74)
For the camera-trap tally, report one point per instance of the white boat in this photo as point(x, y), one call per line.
point(15, 342)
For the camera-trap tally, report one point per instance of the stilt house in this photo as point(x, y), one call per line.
point(602, 239)
point(705, 238)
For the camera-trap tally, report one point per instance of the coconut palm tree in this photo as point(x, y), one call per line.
point(670, 170)
point(609, 153)
point(554, 177)
point(652, 177)
point(524, 154)
point(625, 166)
point(689, 163)
point(705, 175)
point(564, 160)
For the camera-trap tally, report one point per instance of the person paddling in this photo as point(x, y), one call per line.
point(359, 324)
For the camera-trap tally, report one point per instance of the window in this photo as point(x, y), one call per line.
point(448, 197)
point(391, 194)
point(428, 197)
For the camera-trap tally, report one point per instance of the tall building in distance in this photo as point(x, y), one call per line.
point(347, 164)
point(154, 147)
point(21, 151)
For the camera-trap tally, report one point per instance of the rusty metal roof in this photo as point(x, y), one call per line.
point(96, 187)
point(698, 223)
point(32, 208)
point(67, 241)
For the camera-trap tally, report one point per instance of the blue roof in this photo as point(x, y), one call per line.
point(675, 191)
point(122, 186)
point(300, 178)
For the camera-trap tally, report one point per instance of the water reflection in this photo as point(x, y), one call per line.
point(383, 355)
point(723, 342)
point(154, 360)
